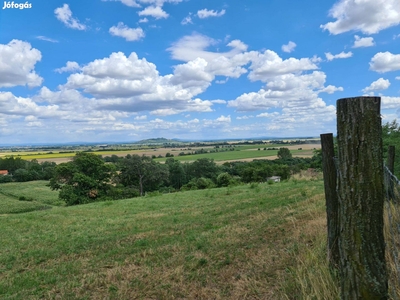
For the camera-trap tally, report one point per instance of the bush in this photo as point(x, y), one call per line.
point(6, 178)
point(204, 183)
point(224, 179)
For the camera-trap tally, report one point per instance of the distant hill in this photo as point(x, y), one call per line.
point(158, 141)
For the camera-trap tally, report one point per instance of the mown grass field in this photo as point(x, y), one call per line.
point(32, 191)
point(240, 242)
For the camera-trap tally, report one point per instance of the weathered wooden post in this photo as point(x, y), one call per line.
point(361, 196)
point(331, 198)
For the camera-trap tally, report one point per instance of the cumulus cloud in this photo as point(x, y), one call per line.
point(154, 11)
point(71, 66)
point(64, 14)
point(205, 13)
point(383, 62)
point(270, 64)
point(222, 118)
point(289, 47)
point(17, 61)
point(363, 42)
point(129, 34)
point(330, 89)
point(378, 85)
point(297, 97)
point(330, 56)
point(367, 16)
point(390, 102)
point(131, 84)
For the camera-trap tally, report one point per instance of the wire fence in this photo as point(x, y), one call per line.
point(392, 231)
point(391, 227)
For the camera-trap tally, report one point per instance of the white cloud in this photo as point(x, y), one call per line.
point(71, 66)
point(187, 20)
point(289, 47)
point(154, 11)
point(144, 20)
point(130, 84)
point(269, 64)
point(330, 89)
point(385, 62)
point(245, 117)
point(222, 118)
point(390, 102)
point(267, 115)
point(43, 38)
point(205, 13)
point(363, 42)
point(297, 97)
point(141, 118)
point(130, 3)
point(378, 85)
point(397, 78)
point(330, 56)
point(367, 16)
point(129, 34)
point(218, 101)
point(17, 63)
point(64, 14)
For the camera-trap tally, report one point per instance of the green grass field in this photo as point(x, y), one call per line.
point(234, 155)
point(228, 243)
point(34, 191)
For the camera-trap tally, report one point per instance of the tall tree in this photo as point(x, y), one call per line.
point(143, 172)
point(284, 153)
point(85, 179)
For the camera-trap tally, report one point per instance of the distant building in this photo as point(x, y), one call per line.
point(274, 178)
point(3, 172)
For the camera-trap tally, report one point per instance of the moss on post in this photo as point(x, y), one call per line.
point(361, 196)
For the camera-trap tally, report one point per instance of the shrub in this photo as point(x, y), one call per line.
point(224, 179)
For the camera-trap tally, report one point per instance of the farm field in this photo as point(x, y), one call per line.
point(238, 242)
point(245, 152)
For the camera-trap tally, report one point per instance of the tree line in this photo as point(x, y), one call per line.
point(89, 177)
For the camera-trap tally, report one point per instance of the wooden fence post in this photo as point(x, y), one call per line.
point(331, 198)
point(361, 197)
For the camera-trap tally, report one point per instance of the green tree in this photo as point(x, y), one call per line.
point(85, 179)
point(391, 137)
point(143, 172)
point(177, 174)
point(284, 153)
point(204, 167)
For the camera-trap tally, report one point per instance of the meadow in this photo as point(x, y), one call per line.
point(257, 241)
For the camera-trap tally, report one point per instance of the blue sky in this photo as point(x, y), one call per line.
point(125, 70)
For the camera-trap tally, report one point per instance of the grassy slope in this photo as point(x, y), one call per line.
point(228, 243)
point(36, 191)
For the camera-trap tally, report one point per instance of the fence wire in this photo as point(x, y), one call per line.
point(391, 227)
point(392, 231)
